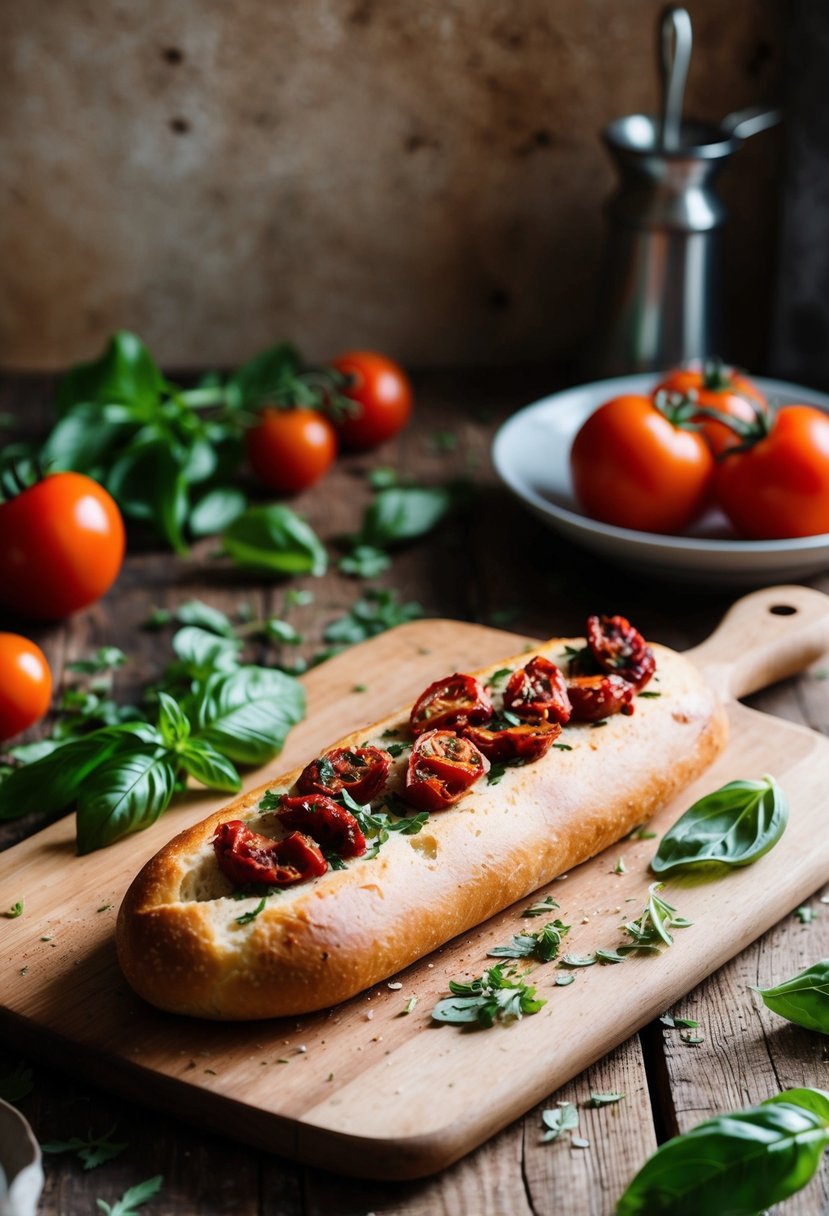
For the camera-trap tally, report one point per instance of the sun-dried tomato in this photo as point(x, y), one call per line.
point(597, 697)
point(442, 767)
point(620, 649)
point(450, 704)
point(360, 770)
point(333, 827)
point(247, 857)
point(529, 741)
point(538, 691)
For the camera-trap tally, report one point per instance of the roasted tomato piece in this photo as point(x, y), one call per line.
point(248, 857)
point(450, 703)
point(360, 770)
point(442, 767)
point(597, 697)
point(538, 690)
point(529, 741)
point(331, 825)
point(620, 649)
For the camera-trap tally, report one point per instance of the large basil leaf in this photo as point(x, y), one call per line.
point(733, 826)
point(211, 768)
point(53, 782)
point(215, 511)
point(125, 794)
point(247, 713)
point(804, 999)
point(736, 1164)
point(205, 652)
point(148, 482)
point(126, 373)
point(86, 437)
point(197, 612)
point(399, 514)
point(274, 539)
point(267, 377)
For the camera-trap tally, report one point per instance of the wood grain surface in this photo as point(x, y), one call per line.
point(491, 564)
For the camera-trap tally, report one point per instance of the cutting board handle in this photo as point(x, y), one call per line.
point(764, 637)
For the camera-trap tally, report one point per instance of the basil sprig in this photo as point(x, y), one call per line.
point(494, 996)
point(543, 945)
point(804, 999)
point(737, 1164)
point(733, 826)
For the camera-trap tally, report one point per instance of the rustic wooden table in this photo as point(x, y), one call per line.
point(494, 564)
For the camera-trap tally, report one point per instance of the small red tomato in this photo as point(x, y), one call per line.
point(538, 690)
point(333, 827)
point(716, 387)
point(620, 649)
point(290, 449)
point(450, 704)
point(442, 767)
point(779, 486)
point(61, 546)
point(246, 857)
point(383, 394)
point(633, 467)
point(360, 770)
point(25, 684)
point(529, 741)
point(597, 697)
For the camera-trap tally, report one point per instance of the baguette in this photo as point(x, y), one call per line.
point(314, 944)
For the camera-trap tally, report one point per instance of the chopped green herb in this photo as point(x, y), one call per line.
point(620, 867)
point(564, 981)
point(94, 1151)
point(563, 747)
point(364, 561)
point(14, 911)
point(641, 834)
point(804, 914)
point(359, 688)
point(609, 956)
point(596, 725)
point(652, 928)
point(499, 677)
point(134, 1198)
point(247, 917)
point(542, 908)
point(649, 693)
point(410, 1005)
point(335, 861)
point(692, 1040)
point(563, 1118)
point(543, 945)
point(104, 908)
point(669, 1020)
point(397, 749)
point(599, 1100)
point(496, 772)
point(495, 996)
point(577, 960)
point(298, 597)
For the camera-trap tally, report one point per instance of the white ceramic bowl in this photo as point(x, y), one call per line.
point(22, 1178)
point(531, 453)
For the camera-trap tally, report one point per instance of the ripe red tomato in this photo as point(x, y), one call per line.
point(382, 391)
point(779, 486)
point(720, 388)
point(290, 449)
point(61, 546)
point(633, 467)
point(25, 684)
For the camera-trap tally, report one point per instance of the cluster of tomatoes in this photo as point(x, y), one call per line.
point(290, 448)
point(705, 436)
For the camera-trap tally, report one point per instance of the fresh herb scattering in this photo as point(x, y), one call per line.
point(542, 946)
point(803, 999)
point(733, 826)
point(653, 928)
point(133, 1198)
point(92, 1152)
point(805, 914)
point(14, 911)
point(542, 908)
point(742, 1162)
point(596, 1101)
point(497, 995)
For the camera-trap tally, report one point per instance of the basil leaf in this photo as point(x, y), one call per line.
point(215, 511)
point(400, 514)
point(804, 999)
point(247, 713)
point(124, 794)
point(53, 782)
point(364, 561)
point(205, 652)
point(274, 539)
point(266, 378)
point(211, 768)
point(84, 439)
point(733, 826)
point(148, 483)
point(815, 1100)
point(172, 720)
point(196, 612)
point(738, 1163)
point(126, 372)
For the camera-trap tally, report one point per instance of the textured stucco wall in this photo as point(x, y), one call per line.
point(423, 177)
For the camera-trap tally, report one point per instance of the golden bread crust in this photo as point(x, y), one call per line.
point(316, 944)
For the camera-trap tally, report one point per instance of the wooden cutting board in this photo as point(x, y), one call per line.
point(367, 1088)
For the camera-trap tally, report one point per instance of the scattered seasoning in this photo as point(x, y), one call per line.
point(410, 1005)
point(24, 970)
point(104, 908)
point(14, 911)
point(395, 987)
point(283, 1060)
point(46, 939)
point(805, 914)
point(369, 1015)
point(360, 688)
point(330, 1077)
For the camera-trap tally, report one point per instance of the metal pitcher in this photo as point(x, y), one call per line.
point(661, 299)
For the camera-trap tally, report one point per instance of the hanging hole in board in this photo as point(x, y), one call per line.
point(782, 610)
